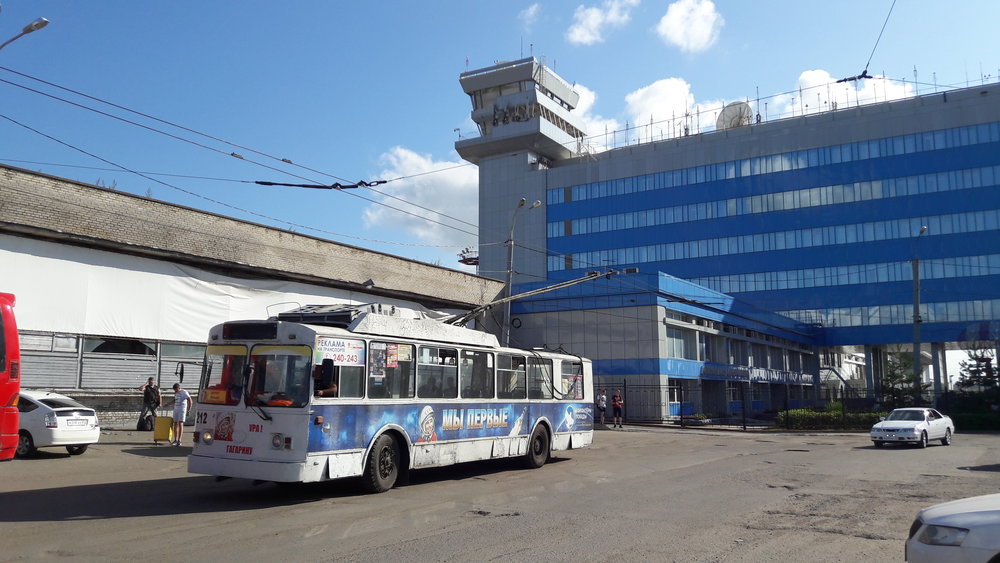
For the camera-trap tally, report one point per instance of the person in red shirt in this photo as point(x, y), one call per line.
point(616, 404)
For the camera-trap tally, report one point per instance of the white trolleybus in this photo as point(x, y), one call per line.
point(325, 392)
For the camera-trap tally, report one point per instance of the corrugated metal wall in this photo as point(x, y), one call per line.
point(109, 371)
point(50, 361)
point(49, 370)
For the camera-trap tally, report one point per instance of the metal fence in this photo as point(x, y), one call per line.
point(652, 404)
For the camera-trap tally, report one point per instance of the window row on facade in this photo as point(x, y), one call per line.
point(701, 346)
point(975, 221)
point(883, 272)
point(875, 315)
point(794, 160)
point(794, 199)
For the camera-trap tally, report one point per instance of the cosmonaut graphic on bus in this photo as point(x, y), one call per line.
point(426, 424)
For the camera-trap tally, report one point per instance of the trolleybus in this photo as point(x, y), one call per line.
point(326, 392)
point(10, 377)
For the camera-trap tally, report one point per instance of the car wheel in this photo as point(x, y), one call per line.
point(946, 441)
point(923, 440)
point(878, 443)
point(76, 450)
point(25, 445)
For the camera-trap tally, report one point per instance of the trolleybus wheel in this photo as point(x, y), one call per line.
point(538, 448)
point(383, 465)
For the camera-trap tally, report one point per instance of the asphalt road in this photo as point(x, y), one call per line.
point(638, 494)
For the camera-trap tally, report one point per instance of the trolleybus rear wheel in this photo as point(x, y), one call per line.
point(538, 448)
point(383, 465)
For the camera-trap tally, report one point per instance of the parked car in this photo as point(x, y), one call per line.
point(50, 419)
point(960, 530)
point(916, 425)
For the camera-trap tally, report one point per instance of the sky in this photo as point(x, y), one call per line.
point(155, 98)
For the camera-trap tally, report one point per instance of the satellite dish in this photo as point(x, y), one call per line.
point(735, 114)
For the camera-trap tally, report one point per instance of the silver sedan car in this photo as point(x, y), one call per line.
point(917, 425)
point(957, 531)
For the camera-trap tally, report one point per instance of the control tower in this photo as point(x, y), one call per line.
point(523, 112)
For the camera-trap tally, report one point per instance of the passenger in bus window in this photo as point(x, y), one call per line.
point(450, 389)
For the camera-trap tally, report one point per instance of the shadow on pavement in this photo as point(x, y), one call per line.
point(202, 494)
point(995, 467)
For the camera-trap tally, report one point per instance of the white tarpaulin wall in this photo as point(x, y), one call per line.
point(62, 288)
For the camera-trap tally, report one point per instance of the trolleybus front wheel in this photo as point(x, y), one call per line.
point(538, 448)
point(382, 468)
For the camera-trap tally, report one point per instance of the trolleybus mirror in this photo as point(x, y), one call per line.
point(326, 373)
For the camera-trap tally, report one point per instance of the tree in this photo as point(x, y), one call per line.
point(979, 372)
point(896, 385)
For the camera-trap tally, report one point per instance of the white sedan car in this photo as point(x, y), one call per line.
point(50, 419)
point(956, 531)
point(916, 425)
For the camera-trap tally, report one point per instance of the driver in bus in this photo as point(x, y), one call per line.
point(321, 389)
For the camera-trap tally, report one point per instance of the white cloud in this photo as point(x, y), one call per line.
point(595, 125)
point(529, 16)
point(667, 108)
point(452, 192)
point(817, 91)
point(589, 23)
point(691, 25)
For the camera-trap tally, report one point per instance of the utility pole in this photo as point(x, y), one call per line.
point(917, 368)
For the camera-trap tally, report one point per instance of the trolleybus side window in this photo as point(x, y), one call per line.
point(391, 370)
point(539, 378)
point(348, 357)
point(571, 384)
point(437, 372)
point(280, 375)
point(511, 377)
point(222, 375)
point(477, 374)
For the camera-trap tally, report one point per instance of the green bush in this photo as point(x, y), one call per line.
point(976, 421)
point(804, 419)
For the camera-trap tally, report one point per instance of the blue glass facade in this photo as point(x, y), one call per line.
point(825, 234)
point(761, 249)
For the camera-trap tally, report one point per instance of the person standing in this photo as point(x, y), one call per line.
point(151, 400)
point(602, 403)
point(617, 402)
point(182, 403)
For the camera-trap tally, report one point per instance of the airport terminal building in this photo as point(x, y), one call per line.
point(761, 245)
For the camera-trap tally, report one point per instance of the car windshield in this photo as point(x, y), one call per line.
point(61, 403)
point(905, 415)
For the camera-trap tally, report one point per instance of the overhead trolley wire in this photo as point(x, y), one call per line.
point(369, 185)
point(206, 198)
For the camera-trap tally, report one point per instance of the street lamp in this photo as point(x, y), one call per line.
point(510, 266)
point(917, 368)
point(33, 26)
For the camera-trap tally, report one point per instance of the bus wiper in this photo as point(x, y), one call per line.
point(248, 399)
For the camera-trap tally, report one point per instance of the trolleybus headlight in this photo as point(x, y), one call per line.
point(206, 437)
point(277, 441)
